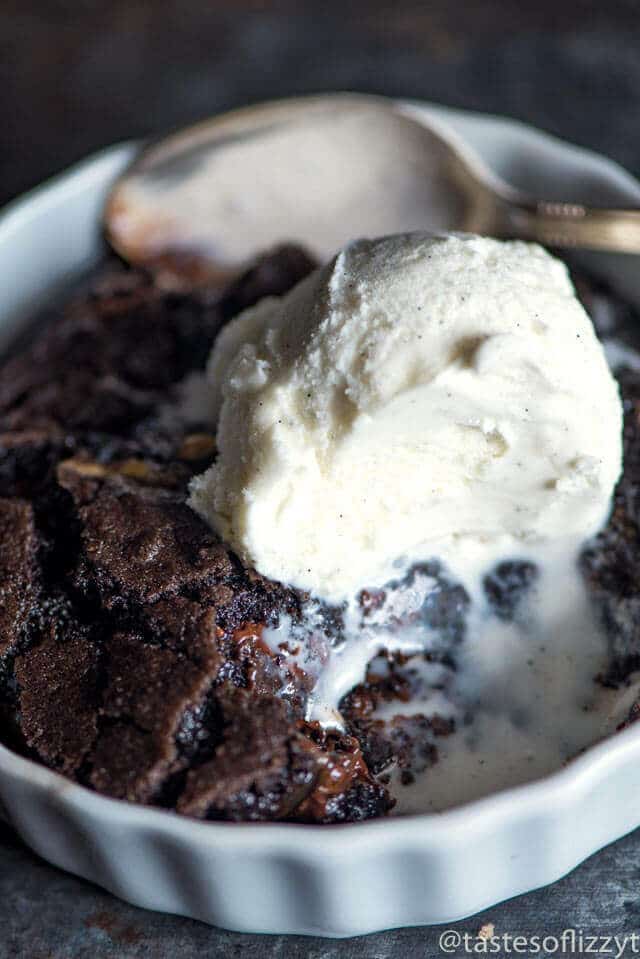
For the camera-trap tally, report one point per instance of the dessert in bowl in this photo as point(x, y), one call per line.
point(129, 586)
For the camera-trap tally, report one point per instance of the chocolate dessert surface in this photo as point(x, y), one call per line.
point(132, 650)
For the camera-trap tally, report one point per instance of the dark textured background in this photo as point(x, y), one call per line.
point(77, 76)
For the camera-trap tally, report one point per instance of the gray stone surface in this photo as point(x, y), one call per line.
point(78, 75)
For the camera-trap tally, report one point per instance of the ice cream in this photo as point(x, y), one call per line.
point(421, 396)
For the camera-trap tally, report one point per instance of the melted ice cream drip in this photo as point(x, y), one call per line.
point(422, 613)
point(511, 659)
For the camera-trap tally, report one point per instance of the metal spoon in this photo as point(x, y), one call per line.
point(321, 171)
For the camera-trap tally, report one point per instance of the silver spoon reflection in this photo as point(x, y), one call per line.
point(320, 171)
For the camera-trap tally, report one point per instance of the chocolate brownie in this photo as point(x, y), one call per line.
point(133, 655)
point(611, 562)
point(19, 569)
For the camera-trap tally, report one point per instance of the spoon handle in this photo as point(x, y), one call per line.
point(571, 224)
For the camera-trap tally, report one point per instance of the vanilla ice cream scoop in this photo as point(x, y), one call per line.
point(421, 396)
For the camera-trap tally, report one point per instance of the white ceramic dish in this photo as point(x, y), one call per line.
point(322, 880)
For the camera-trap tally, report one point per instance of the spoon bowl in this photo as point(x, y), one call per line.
point(321, 171)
